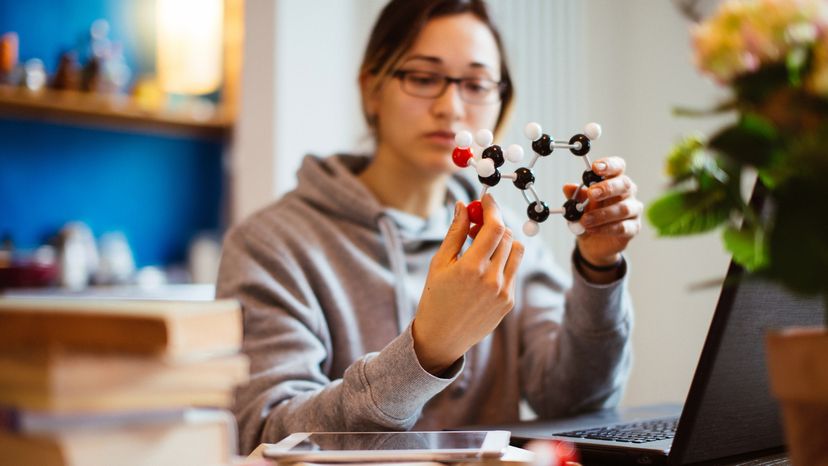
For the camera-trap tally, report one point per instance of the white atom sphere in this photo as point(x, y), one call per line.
point(576, 227)
point(514, 153)
point(485, 168)
point(484, 138)
point(592, 131)
point(463, 139)
point(533, 131)
point(531, 228)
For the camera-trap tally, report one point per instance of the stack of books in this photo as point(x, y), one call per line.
point(104, 382)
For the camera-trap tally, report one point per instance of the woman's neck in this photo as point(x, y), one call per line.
point(400, 185)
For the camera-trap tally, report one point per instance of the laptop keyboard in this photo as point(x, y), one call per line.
point(776, 460)
point(650, 430)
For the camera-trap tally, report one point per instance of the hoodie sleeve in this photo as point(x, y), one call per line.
point(288, 343)
point(575, 339)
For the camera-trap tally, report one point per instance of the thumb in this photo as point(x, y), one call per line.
point(456, 236)
point(570, 188)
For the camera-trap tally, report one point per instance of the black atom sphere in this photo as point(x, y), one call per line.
point(571, 211)
point(590, 178)
point(492, 180)
point(535, 215)
point(495, 153)
point(543, 146)
point(524, 177)
point(584, 150)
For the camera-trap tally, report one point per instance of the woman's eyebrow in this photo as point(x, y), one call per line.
point(439, 61)
point(481, 65)
point(428, 58)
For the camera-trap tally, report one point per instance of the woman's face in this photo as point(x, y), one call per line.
point(419, 130)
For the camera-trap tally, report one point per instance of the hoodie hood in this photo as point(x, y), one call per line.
point(331, 185)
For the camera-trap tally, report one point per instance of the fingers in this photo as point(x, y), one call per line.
point(456, 236)
point(503, 269)
point(622, 210)
point(501, 254)
point(511, 268)
point(623, 229)
point(489, 235)
point(620, 186)
point(609, 166)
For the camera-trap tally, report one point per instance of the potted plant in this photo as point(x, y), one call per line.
point(773, 57)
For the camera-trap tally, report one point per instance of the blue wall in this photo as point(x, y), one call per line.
point(158, 190)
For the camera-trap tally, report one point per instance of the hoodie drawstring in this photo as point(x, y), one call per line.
point(396, 258)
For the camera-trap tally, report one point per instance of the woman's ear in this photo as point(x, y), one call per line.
point(370, 95)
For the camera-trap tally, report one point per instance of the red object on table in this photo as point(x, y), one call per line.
point(27, 275)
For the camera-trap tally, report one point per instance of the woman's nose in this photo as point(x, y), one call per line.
point(449, 104)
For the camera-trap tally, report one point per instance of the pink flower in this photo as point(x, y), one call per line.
point(745, 35)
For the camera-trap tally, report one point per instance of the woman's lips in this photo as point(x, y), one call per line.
point(445, 138)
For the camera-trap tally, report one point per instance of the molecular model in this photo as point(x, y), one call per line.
point(523, 178)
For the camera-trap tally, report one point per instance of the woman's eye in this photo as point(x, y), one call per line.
point(479, 87)
point(424, 79)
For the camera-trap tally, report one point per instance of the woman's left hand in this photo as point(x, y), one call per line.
point(612, 217)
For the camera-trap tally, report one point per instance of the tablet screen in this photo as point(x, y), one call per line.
point(329, 441)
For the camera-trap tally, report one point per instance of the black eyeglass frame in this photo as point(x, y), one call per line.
point(500, 86)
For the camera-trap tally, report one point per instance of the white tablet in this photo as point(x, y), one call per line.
point(389, 446)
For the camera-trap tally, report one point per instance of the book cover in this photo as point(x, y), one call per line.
point(171, 328)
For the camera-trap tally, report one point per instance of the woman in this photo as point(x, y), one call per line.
point(363, 307)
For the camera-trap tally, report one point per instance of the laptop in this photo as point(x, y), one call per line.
point(729, 414)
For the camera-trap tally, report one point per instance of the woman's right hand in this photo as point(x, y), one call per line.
point(465, 297)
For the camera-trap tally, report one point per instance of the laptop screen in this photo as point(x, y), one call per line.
point(729, 408)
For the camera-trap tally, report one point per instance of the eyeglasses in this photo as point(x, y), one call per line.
point(432, 85)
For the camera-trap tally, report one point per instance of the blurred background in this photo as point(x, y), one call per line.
point(133, 133)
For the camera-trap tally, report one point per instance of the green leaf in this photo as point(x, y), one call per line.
point(769, 178)
point(748, 246)
point(751, 141)
point(682, 158)
point(796, 60)
point(689, 212)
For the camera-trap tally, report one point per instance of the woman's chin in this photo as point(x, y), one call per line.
point(431, 161)
point(439, 165)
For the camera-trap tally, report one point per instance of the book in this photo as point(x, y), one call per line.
point(62, 381)
point(197, 437)
point(149, 327)
point(29, 422)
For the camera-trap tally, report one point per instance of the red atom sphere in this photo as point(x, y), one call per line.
point(475, 210)
point(461, 156)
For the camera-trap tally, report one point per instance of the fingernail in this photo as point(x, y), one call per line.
point(596, 193)
point(586, 220)
point(456, 209)
point(600, 166)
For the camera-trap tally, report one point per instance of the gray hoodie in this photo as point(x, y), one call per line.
point(329, 281)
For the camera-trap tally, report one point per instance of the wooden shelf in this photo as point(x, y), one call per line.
point(108, 111)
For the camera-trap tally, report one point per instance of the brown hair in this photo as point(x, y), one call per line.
point(398, 26)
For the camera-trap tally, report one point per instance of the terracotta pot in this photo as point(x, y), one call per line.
point(798, 365)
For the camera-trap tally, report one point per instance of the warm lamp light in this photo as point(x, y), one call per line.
point(189, 45)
